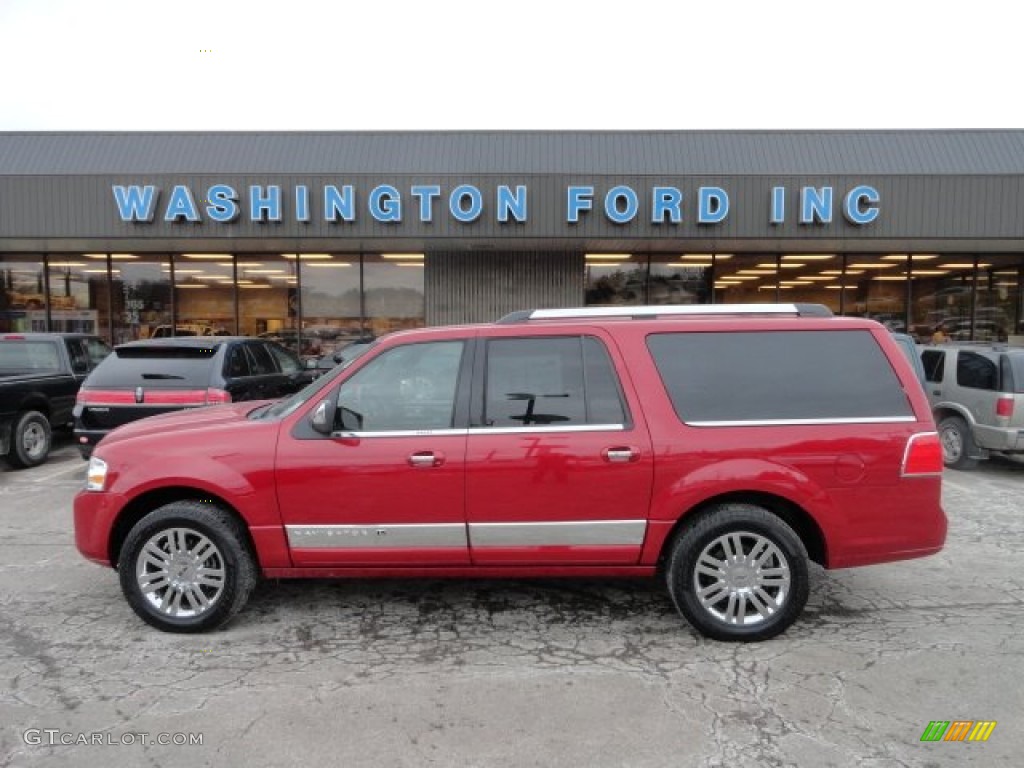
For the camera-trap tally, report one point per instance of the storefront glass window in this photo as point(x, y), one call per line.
point(942, 296)
point(267, 291)
point(141, 294)
point(22, 294)
point(393, 292)
point(79, 294)
point(330, 298)
point(204, 293)
point(747, 279)
point(684, 279)
point(615, 279)
point(812, 278)
point(995, 315)
point(881, 288)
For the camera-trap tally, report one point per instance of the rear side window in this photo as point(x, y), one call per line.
point(539, 382)
point(934, 361)
point(976, 371)
point(162, 366)
point(28, 357)
point(1013, 373)
point(772, 376)
point(237, 365)
point(262, 362)
point(285, 361)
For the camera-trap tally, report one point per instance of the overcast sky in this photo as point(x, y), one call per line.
point(508, 64)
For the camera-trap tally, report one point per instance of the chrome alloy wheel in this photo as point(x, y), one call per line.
point(741, 578)
point(180, 572)
point(33, 440)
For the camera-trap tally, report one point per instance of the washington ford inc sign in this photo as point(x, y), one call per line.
point(466, 203)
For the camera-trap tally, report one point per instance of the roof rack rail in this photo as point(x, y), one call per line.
point(666, 310)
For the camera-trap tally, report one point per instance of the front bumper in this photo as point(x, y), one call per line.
point(95, 513)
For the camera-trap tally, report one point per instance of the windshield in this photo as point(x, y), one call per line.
point(282, 408)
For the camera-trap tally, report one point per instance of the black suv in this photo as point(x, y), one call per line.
point(146, 378)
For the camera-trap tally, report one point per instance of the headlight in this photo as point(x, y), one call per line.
point(96, 477)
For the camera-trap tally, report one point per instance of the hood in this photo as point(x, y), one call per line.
point(188, 420)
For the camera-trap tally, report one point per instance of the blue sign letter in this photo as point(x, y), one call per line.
point(181, 205)
point(302, 203)
point(854, 205)
point(222, 203)
point(476, 203)
point(426, 194)
point(386, 203)
point(612, 209)
point(135, 203)
point(816, 205)
point(778, 205)
point(264, 207)
point(667, 200)
point(713, 205)
point(339, 203)
point(580, 199)
point(511, 204)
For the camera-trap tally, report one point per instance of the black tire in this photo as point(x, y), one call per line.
point(177, 605)
point(957, 443)
point(30, 440)
point(744, 583)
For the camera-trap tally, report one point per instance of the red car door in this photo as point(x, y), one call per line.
point(557, 472)
point(386, 487)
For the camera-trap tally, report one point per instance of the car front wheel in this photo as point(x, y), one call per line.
point(187, 567)
point(738, 573)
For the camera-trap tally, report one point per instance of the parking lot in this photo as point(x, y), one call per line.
point(545, 673)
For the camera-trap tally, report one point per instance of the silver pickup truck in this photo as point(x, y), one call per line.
point(977, 396)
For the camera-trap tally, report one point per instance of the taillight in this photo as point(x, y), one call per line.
point(104, 397)
point(923, 455)
point(1004, 407)
point(217, 396)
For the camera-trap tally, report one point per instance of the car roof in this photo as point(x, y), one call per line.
point(184, 341)
point(15, 335)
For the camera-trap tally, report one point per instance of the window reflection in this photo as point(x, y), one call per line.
point(615, 279)
point(330, 298)
point(22, 295)
point(393, 292)
point(141, 293)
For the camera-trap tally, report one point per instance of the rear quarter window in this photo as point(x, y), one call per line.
point(771, 376)
point(28, 357)
point(155, 367)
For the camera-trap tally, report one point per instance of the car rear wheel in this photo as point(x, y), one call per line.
point(187, 567)
point(30, 440)
point(957, 443)
point(738, 573)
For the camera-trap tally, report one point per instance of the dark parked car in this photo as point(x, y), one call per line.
point(40, 373)
point(145, 378)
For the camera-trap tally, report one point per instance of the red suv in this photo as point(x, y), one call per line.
point(721, 448)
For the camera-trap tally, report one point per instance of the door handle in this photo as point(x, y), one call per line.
point(426, 459)
point(620, 454)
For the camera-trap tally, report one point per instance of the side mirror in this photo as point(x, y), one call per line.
point(322, 420)
point(337, 357)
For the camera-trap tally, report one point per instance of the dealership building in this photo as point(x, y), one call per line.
point(332, 234)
